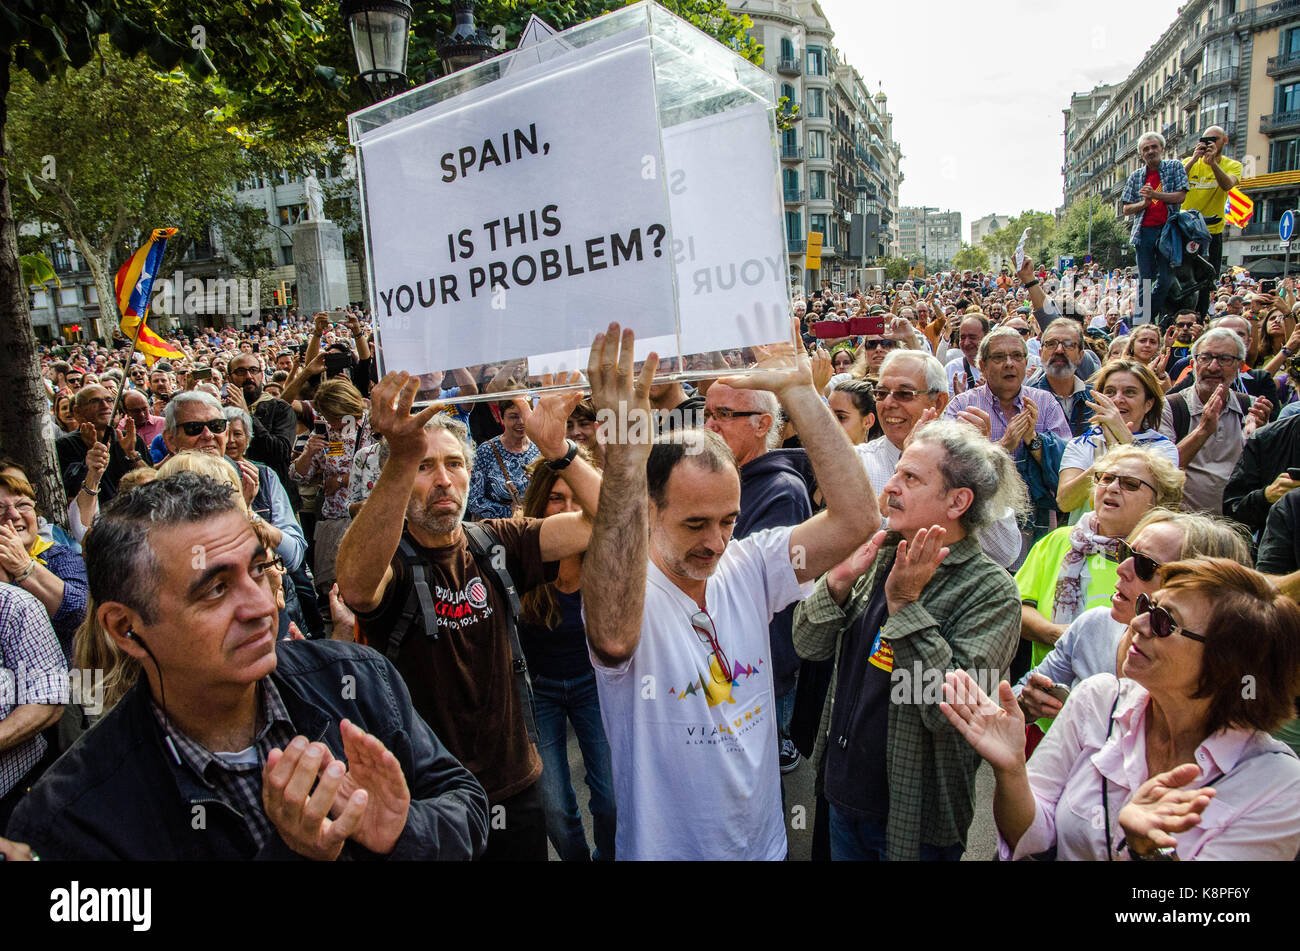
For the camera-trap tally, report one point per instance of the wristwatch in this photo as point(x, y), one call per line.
point(1031, 282)
point(1166, 854)
point(555, 465)
point(1035, 444)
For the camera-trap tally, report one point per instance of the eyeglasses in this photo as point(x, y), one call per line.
point(1144, 566)
point(879, 344)
point(1162, 622)
point(1007, 357)
point(196, 428)
point(1223, 359)
point(1126, 483)
point(724, 413)
point(704, 630)
point(902, 396)
point(1050, 345)
point(1023, 331)
point(245, 371)
point(20, 507)
point(262, 567)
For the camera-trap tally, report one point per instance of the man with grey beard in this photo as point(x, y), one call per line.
point(1061, 349)
point(438, 605)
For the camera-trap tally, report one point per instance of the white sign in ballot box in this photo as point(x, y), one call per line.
point(625, 169)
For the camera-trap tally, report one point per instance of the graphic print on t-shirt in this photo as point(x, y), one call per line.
point(460, 609)
point(713, 686)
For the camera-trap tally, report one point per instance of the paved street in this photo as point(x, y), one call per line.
point(981, 843)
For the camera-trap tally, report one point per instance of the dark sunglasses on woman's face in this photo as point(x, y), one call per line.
point(1162, 622)
point(196, 427)
point(1144, 566)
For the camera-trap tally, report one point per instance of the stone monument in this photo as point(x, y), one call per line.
point(318, 257)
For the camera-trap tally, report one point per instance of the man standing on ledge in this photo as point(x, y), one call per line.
point(677, 615)
point(1151, 195)
point(1210, 176)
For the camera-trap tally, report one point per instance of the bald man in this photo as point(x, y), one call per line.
point(1211, 176)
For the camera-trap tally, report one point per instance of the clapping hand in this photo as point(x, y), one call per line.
point(1258, 415)
point(840, 579)
point(914, 567)
point(1107, 415)
point(300, 818)
point(995, 730)
point(1161, 807)
point(822, 370)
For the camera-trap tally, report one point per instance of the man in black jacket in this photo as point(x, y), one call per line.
point(1260, 477)
point(216, 757)
point(126, 451)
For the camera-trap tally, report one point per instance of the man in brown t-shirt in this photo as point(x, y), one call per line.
point(461, 679)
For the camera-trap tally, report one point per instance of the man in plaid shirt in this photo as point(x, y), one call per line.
point(33, 690)
point(1152, 195)
point(897, 615)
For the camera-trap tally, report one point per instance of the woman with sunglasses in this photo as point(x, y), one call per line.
point(1074, 568)
point(1089, 644)
point(1126, 404)
point(1173, 761)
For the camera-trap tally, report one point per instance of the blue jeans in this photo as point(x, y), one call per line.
point(1152, 266)
point(553, 701)
point(861, 840)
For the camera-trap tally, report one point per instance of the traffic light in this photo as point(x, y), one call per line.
point(275, 298)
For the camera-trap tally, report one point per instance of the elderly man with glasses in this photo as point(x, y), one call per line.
point(1210, 422)
point(1062, 350)
point(1027, 422)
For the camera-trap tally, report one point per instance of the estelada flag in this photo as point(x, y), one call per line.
point(1238, 209)
point(134, 285)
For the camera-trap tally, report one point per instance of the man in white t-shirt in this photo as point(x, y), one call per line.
point(677, 615)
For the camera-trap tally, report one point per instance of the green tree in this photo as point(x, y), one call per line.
point(105, 190)
point(970, 259)
point(1002, 243)
point(243, 233)
point(1109, 233)
point(895, 268)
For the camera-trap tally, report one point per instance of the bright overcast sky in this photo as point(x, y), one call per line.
point(977, 89)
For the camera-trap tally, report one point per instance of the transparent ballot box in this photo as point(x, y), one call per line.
point(623, 170)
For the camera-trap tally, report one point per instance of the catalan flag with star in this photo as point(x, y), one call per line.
point(1238, 209)
point(134, 285)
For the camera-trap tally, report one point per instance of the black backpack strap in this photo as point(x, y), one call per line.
point(482, 542)
point(1182, 416)
point(419, 602)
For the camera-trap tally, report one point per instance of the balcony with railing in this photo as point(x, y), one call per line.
point(791, 153)
point(1280, 122)
point(1215, 77)
point(789, 65)
point(1282, 65)
point(797, 245)
point(795, 196)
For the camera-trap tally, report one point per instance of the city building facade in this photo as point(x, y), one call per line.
point(1231, 63)
point(840, 165)
point(929, 237)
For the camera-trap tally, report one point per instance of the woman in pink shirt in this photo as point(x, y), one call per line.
point(1173, 760)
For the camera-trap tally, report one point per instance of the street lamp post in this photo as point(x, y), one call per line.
point(466, 45)
point(380, 31)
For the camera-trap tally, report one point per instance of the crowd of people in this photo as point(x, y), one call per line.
point(1020, 524)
